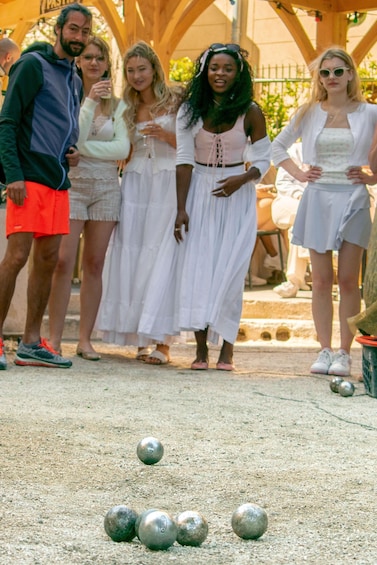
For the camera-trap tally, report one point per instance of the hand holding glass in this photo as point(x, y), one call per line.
point(106, 95)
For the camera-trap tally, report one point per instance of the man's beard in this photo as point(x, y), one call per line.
point(72, 48)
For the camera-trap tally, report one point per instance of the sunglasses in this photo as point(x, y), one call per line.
point(232, 47)
point(217, 47)
point(338, 72)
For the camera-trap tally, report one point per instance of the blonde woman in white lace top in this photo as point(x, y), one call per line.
point(336, 128)
point(94, 196)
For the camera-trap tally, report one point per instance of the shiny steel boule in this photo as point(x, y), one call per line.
point(346, 388)
point(249, 521)
point(192, 528)
point(335, 382)
point(157, 530)
point(140, 517)
point(150, 450)
point(119, 523)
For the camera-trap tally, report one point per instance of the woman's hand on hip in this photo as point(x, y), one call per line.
point(311, 175)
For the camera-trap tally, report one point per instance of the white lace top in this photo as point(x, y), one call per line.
point(103, 140)
point(334, 147)
point(148, 147)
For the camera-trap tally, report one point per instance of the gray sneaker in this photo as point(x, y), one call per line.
point(3, 361)
point(40, 355)
point(323, 362)
point(341, 364)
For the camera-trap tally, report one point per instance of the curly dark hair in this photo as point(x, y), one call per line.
point(198, 97)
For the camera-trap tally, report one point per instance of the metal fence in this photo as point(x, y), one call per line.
point(281, 89)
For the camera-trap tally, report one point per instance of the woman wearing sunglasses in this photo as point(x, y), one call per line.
point(336, 127)
point(216, 221)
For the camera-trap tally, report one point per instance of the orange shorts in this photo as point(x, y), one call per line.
point(44, 212)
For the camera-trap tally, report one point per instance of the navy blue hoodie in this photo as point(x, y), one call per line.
point(39, 118)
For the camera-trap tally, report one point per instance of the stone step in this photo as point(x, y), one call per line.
point(265, 316)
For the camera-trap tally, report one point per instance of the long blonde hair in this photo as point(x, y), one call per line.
point(319, 93)
point(166, 99)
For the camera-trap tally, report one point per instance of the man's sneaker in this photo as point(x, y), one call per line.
point(40, 355)
point(286, 289)
point(3, 361)
point(341, 364)
point(323, 362)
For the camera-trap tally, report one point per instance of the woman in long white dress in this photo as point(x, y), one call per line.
point(216, 222)
point(134, 263)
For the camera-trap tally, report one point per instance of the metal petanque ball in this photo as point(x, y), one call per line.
point(120, 522)
point(335, 382)
point(141, 516)
point(192, 528)
point(346, 388)
point(150, 450)
point(249, 521)
point(157, 530)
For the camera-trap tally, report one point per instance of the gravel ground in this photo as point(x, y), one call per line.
point(268, 433)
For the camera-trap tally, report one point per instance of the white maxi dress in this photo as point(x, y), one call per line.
point(215, 255)
point(135, 275)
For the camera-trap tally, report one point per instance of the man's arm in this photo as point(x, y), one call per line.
point(25, 81)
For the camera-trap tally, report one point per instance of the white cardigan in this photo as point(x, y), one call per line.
point(362, 124)
point(116, 149)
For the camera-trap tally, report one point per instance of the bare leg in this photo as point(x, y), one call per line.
point(201, 346)
point(45, 257)
point(322, 306)
point(16, 255)
point(265, 223)
point(296, 266)
point(96, 240)
point(61, 283)
point(349, 262)
point(226, 353)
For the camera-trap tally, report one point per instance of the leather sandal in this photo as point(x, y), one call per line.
point(88, 355)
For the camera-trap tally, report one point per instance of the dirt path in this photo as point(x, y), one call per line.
point(268, 434)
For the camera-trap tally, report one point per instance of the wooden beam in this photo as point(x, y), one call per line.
point(347, 6)
point(170, 17)
point(341, 6)
point(188, 17)
point(365, 44)
point(308, 5)
point(332, 30)
point(114, 21)
point(13, 12)
point(20, 31)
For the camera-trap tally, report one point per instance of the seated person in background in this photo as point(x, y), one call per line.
point(283, 211)
point(265, 197)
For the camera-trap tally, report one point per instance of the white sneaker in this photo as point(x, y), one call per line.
point(272, 262)
point(323, 362)
point(257, 281)
point(286, 289)
point(341, 364)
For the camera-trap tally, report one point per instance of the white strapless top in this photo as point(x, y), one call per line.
point(334, 147)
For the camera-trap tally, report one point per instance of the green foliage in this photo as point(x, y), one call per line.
point(279, 100)
point(181, 70)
